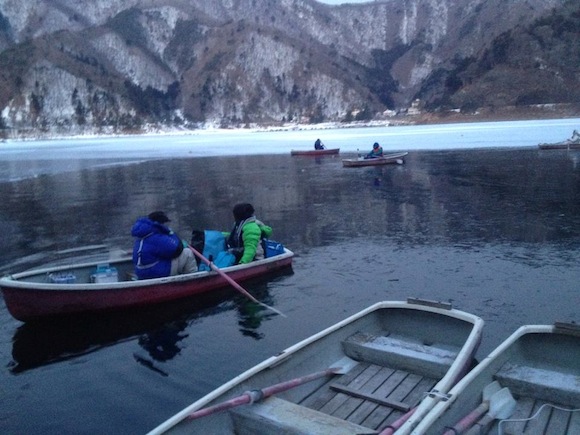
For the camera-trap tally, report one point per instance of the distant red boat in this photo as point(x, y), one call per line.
point(315, 152)
point(93, 287)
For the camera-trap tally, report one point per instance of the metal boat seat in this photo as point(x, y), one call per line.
point(278, 416)
point(540, 383)
point(390, 351)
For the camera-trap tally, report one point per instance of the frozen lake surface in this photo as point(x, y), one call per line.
point(200, 143)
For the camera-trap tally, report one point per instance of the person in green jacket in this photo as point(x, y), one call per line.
point(244, 241)
point(376, 152)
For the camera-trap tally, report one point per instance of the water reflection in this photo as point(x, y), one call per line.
point(457, 198)
point(251, 315)
point(486, 195)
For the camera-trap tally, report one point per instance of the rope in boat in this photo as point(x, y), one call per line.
point(522, 420)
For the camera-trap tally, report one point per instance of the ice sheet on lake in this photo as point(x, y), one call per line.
point(53, 156)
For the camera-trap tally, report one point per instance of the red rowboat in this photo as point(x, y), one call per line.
point(94, 287)
point(315, 152)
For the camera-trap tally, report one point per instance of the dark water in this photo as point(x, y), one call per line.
point(496, 232)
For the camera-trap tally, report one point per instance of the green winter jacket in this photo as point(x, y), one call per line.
point(248, 235)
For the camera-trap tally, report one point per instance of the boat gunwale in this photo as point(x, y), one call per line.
point(14, 281)
point(455, 393)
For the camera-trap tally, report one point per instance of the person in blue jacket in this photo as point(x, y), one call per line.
point(158, 251)
point(318, 145)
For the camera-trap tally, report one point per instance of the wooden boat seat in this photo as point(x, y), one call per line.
point(540, 383)
point(275, 416)
point(389, 351)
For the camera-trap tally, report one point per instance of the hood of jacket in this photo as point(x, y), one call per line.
point(145, 226)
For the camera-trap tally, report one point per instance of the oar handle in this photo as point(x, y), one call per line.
point(389, 430)
point(480, 426)
point(468, 421)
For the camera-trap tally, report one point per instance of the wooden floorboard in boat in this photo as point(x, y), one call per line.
point(324, 394)
point(559, 421)
point(370, 382)
point(549, 421)
point(574, 426)
point(413, 397)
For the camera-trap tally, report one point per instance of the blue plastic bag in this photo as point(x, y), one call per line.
point(272, 248)
point(215, 250)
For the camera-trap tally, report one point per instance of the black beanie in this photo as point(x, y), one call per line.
point(159, 216)
point(243, 211)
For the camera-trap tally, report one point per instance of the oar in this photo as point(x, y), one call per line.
point(231, 281)
point(257, 395)
point(394, 426)
point(467, 421)
point(501, 406)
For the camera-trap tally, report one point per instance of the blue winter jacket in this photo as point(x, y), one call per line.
point(155, 247)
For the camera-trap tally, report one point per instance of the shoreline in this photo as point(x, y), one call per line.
point(528, 113)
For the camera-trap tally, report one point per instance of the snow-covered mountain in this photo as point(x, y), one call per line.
point(114, 65)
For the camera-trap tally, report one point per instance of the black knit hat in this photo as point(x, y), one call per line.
point(243, 211)
point(159, 216)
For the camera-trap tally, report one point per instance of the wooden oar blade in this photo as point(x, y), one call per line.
point(268, 307)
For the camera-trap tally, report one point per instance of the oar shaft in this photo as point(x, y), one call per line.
point(237, 401)
point(481, 426)
point(286, 385)
point(223, 274)
point(257, 395)
point(467, 421)
point(394, 426)
point(230, 280)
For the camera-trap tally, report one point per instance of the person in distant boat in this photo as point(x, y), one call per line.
point(318, 145)
point(244, 241)
point(377, 151)
point(158, 251)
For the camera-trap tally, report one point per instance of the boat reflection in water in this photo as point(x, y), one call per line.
point(158, 329)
